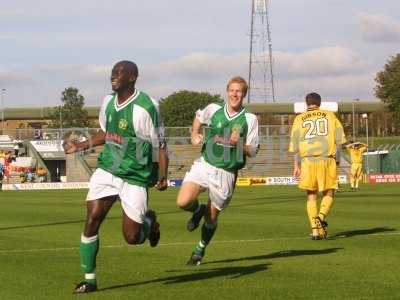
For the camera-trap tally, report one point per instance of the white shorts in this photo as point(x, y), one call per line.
point(220, 183)
point(133, 198)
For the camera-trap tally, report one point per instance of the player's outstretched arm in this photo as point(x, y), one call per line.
point(252, 140)
point(251, 150)
point(297, 169)
point(196, 137)
point(163, 162)
point(347, 145)
point(95, 140)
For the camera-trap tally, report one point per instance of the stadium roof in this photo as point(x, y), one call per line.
point(40, 113)
point(288, 108)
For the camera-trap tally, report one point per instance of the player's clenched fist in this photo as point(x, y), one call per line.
point(234, 137)
point(69, 147)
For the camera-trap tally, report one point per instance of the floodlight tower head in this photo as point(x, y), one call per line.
point(261, 6)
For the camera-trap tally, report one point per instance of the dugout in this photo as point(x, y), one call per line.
point(390, 163)
point(57, 169)
point(49, 155)
point(376, 162)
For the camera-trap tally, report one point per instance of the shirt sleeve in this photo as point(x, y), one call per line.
point(339, 134)
point(102, 114)
point(294, 137)
point(252, 138)
point(149, 125)
point(204, 115)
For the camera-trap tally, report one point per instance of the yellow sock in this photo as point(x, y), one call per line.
point(357, 181)
point(312, 212)
point(352, 181)
point(326, 205)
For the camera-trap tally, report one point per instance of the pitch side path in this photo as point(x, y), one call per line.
point(260, 251)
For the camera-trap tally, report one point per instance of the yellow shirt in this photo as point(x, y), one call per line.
point(356, 154)
point(316, 133)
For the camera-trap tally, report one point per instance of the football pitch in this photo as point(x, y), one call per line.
point(261, 249)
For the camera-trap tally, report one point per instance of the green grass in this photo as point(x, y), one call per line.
point(260, 251)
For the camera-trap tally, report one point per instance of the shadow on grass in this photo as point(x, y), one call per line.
point(355, 195)
point(355, 232)
point(197, 273)
point(48, 224)
point(279, 254)
point(41, 225)
point(74, 221)
point(264, 201)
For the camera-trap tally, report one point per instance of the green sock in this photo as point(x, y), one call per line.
point(193, 207)
point(144, 230)
point(88, 249)
point(207, 232)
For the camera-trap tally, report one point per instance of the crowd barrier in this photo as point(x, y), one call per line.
point(241, 181)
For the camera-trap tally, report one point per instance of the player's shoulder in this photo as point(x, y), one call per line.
point(211, 109)
point(105, 105)
point(214, 106)
point(250, 117)
point(328, 113)
point(146, 101)
point(299, 117)
point(108, 98)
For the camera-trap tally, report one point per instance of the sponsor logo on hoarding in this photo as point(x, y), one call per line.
point(174, 182)
point(247, 181)
point(282, 181)
point(47, 186)
point(384, 178)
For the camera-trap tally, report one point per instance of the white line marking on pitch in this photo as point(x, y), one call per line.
point(181, 243)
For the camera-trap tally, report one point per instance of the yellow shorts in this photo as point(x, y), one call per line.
point(356, 170)
point(318, 174)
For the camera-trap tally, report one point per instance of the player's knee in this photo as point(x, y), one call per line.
point(211, 218)
point(182, 201)
point(133, 238)
point(93, 222)
point(329, 192)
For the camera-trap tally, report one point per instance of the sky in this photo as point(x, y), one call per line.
point(334, 47)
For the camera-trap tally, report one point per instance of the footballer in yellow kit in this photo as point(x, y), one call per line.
point(315, 137)
point(356, 151)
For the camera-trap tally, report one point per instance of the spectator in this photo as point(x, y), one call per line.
point(1, 175)
point(17, 144)
point(41, 173)
point(8, 158)
point(22, 176)
point(38, 134)
point(30, 176)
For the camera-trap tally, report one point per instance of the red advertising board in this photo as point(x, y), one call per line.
point(384, 178)
point(6, 168)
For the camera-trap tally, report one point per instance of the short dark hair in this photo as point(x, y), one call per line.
point(313, 99)
point(130, 66)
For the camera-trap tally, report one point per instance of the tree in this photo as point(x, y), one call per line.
point(388, 85)
point(71, 113)
point(178, 109)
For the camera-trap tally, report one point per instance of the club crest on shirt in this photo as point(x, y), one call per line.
point(236, 128)
point(122, 124)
